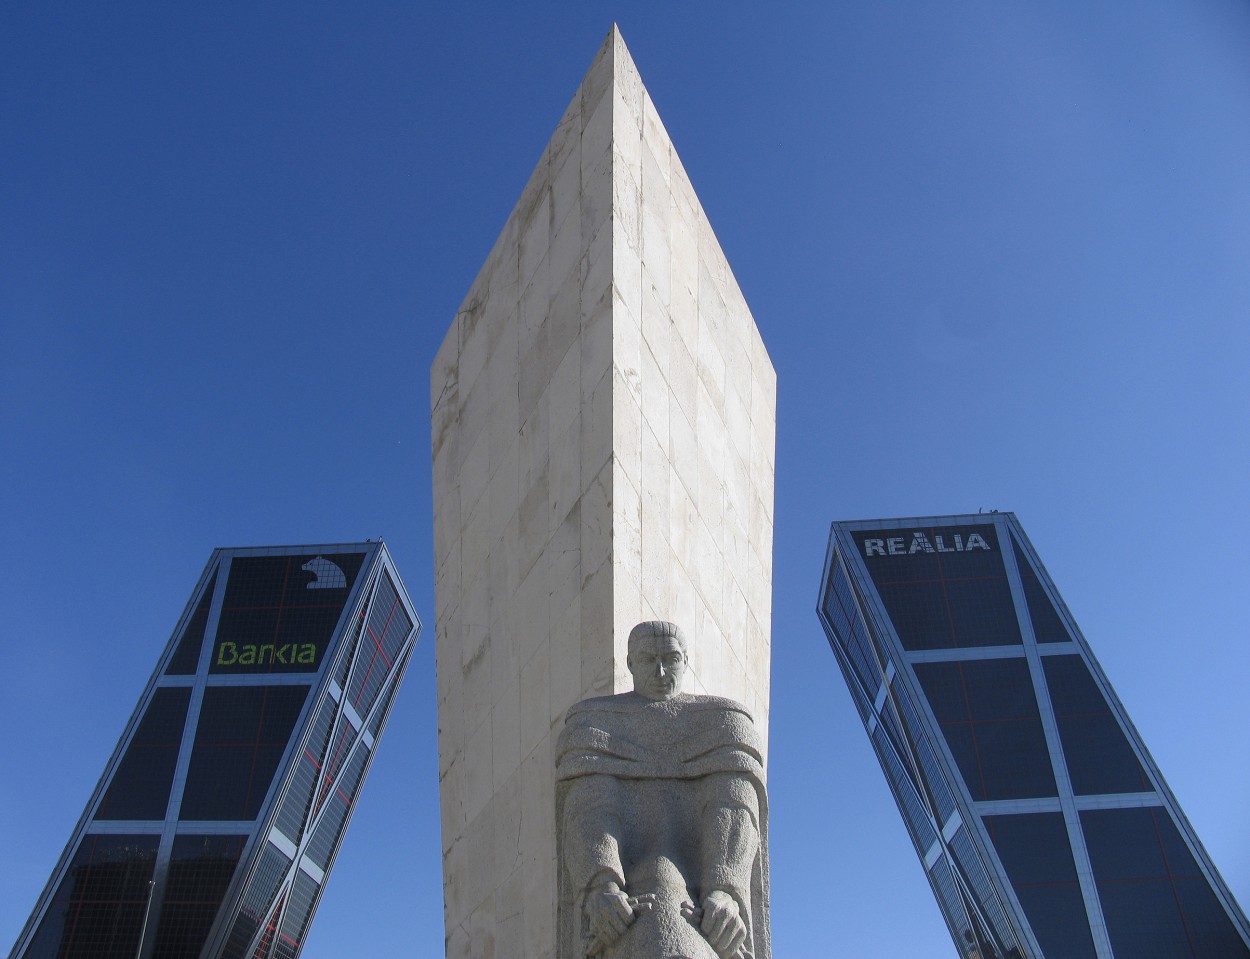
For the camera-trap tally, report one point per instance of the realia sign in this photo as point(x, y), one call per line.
point(921, 543)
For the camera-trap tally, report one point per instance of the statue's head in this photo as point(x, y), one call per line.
point(657, 659)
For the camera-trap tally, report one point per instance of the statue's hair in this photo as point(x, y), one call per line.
point(656, 628)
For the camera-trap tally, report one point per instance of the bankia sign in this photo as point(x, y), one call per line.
point(280, 612)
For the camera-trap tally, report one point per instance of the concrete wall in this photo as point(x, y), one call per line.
point(603, 431)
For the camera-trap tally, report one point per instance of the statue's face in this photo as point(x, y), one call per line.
point(657, 664)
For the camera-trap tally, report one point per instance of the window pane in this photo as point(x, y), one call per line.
point(1099, 757)
point(1124, 845)
point(200, 870)
point(384, 635)
point(1210, 930)
point(140, 787)
point(1047, 626)
point(1154, 897)
point(308, 769)
point(97, 912)
point(988, 713)
point(298, 915)
point(241, 736)
point(1014, 760)
point(1036, 853)
point(258, 902)
point(186, 658)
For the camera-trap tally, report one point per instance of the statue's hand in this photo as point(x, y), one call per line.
point(609, 913)
point(722, 924)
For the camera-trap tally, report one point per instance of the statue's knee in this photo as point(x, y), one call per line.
point(730, 791)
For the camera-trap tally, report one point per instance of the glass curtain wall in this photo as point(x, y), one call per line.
point(1043, 825)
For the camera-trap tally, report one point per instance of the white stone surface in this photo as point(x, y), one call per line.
point(603, 415)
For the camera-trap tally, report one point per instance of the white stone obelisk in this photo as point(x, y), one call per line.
point(603, 435)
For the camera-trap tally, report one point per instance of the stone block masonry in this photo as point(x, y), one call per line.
point(603, 420)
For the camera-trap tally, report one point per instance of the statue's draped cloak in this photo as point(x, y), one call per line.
point(688, 743)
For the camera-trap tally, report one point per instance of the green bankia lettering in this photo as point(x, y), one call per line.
point(266, 654)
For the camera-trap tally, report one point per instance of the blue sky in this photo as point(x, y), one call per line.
point(998, 253)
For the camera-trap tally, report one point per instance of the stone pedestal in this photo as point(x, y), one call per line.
point(603, 432)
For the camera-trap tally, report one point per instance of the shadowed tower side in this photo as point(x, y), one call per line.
point(603, 419)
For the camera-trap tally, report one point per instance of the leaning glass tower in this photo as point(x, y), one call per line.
point(1044, 827)
point(215, 824)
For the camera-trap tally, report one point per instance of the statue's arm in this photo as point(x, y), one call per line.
point(593, 838)
point(592, 832)
point(730, 845)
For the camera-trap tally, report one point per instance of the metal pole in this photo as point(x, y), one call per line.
point(147, 910)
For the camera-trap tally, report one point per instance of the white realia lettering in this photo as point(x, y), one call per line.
point(926, 541)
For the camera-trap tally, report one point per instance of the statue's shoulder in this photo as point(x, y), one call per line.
point(718, 704)
point(586, 709)
point(604, 702)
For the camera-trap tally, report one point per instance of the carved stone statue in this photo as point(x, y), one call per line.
point(662, 819)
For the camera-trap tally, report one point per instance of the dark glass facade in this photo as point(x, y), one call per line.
point(1043, 825)
point(217, 820)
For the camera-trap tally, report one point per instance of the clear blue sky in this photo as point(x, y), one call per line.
point(999, 253)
